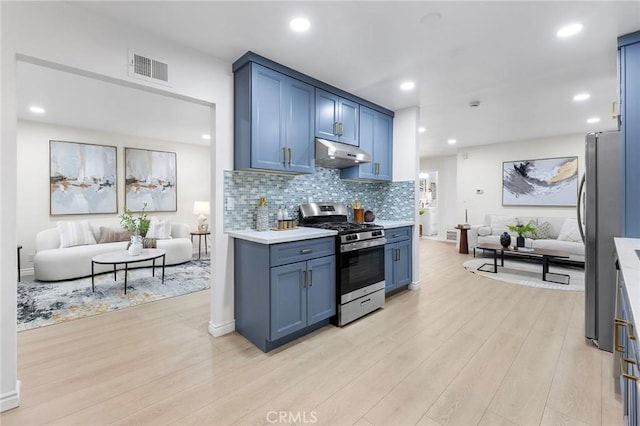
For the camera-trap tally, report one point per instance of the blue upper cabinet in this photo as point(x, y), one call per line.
point(629, 80)
point(336, 118)
point(274, 121)
point(376, 135)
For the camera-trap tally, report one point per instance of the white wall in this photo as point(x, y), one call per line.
point(482, 169)
point(447, 190)
point(64, 33)
point(193, 179)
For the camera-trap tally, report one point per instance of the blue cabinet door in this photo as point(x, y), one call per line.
point(336, 118)
point(326, 115)
point(321, 289)
point(300, 115)
point(629, 78)
point(402, 265)
point(288, 299)
point(389, 269)
point(349, 118)
point(382, 146)
point(376, 138)
point(268, 122)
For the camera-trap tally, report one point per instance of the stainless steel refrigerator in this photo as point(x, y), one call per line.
point(601, 218)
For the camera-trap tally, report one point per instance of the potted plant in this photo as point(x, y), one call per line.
point(523, 231)
point(421, 212)
point(138, 226)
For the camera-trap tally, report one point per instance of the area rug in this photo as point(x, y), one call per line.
point(528, 273)
point(41, 303)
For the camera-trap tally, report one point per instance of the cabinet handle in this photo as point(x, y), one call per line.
point(341, 128)
point(632, 335)
point(284, 155)
point(310, 277)
point(289, 156)
point(623, 369)
point(365, 302)
point(617, 346)
point(398, 254)
point(614, 115)
point(377, 169)
point(396, 235)
point(304, 282)
point(336, 128)
point(306, 251)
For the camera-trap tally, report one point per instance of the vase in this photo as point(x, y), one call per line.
point(520, 241)
point(135, 248)
point(262, 222)
point(505, 239)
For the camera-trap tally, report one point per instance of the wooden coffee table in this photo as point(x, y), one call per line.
point(544, 254)
point(123, 257)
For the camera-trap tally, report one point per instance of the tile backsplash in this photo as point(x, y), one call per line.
point(388, 200)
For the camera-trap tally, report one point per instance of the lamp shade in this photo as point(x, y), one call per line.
point(201, 207)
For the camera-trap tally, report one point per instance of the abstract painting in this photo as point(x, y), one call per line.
point(150, 177)
point(82, 178)
point(546, 182)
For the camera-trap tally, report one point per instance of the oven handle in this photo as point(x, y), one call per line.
point(359, 245)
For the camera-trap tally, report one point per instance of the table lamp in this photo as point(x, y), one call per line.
point(201, 208)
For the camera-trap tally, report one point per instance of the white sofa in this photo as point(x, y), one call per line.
point(561, 233)
point(53, 263)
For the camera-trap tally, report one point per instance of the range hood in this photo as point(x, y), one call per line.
point(335, 155)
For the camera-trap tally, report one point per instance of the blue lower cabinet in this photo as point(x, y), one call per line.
point(398, 258)
point(280, 296)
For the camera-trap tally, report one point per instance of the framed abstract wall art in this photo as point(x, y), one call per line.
point(151, 178)
point(546, 182)
point(82, 178)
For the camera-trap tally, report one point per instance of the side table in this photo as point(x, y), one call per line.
point(200, 235)
point(464, 244)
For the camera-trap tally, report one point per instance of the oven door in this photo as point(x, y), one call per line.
point(359, 269)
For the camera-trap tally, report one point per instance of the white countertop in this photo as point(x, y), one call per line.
point(388, 224)
point(274, 237)
point(630, 268)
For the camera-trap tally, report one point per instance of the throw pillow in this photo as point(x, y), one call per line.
point(75, 234)
point(499, 223)
point(159, 229)
point(570, 231)
point(112, 235)
point(544, 231)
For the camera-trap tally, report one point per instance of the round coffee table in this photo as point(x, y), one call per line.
point(116, 258)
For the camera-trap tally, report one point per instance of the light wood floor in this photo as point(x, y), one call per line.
point(464, 350)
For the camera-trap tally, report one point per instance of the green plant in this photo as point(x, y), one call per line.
point(420, 212)
point(527, 230)
point(136, 225)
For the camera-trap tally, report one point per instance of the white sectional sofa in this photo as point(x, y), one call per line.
point(54, 263)
point(555, 233)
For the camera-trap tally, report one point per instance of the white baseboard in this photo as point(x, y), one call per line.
point(27, 272)
point(10, 399)
point(217, 330)
point(415, 286)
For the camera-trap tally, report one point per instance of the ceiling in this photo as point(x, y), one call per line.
point(504, 54)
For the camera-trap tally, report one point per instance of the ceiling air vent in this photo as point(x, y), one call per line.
point(147, 68)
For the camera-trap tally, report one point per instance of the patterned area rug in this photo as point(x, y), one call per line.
point(41, 303)
point(529, 273)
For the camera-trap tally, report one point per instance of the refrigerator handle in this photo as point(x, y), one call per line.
point(578, 207)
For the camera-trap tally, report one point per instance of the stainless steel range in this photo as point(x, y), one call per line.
point(360, 259)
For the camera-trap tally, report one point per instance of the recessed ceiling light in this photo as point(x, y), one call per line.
point(451, 141)
point(407, 85)
point(422, 129)
point(581, 97)
point(300, 24)
point(569, 30)
point(36, 109)
point(593, 120)
point(206, 136)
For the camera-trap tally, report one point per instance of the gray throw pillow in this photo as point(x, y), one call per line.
point(544, 231)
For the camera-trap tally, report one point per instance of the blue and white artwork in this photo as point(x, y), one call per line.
point(546, 182)
point(150, 178)
point(82, 178)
